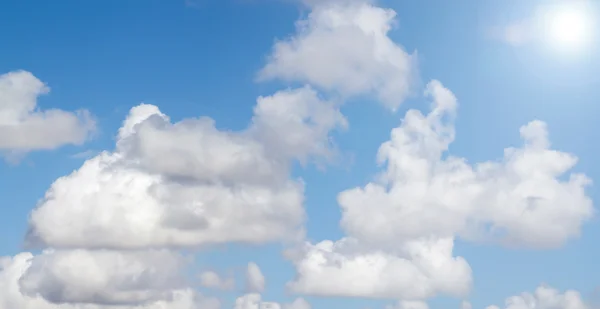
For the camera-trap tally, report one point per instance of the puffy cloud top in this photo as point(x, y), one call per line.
point(24, 127)
point(545, 297)
point(401, 228)
point(189, 184)
point(343, 46)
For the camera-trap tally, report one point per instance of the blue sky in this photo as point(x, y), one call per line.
point(206, 59)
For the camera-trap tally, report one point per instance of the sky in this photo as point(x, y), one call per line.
point(296, 154)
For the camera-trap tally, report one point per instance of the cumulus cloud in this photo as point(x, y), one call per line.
point(103, 277)
point(172, 185)
point(24, 127)
point(14, 296)
point(346, 268)
point(545, 297)
point(401, 229)
point(254, 301)
point(255, 280)
point(527, 198)
point(344, 47)
point(189, 184)
point(212, 280)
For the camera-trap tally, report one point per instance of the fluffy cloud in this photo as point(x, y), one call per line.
point(173, 185)
point(351, 269)
point(401, 228)
point(255, 280)
point(189, 184)
point(103, 277)
point(24, 127)
point(343, 46)
point(526, 199)
point(544, 297)
point(254, 301)
point(212, 280)
point(14, 269)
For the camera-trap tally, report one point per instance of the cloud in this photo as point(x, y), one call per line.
point(345, 269)
point(212, 280)
point(544, 297)
point(343, 46)
point(401, 229)
point(87, 154)
point(254, 301)
point(112, 223)
point(528, 198)
point(189, 184)
point(103, 277)
point(299, 303)
point(406, 304)
point(172, 185)
point(23, 265)
point(255, 280)
point(24, 127)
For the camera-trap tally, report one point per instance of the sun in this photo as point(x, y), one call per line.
point(568, 27)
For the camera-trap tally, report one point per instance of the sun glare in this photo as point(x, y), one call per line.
point(567, 27)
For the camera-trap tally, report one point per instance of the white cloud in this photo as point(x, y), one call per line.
point(24, 127)
point(173, 185)
point(466, 305)
point(299, 303)
point(212, 280)
point(408, 304)
point(545, 297)
point(528, 198)
point(255, 280)
point(12, 269)
point(254, 301)
point(189, 184)
point(343, 46)
point(103, 277)
point(347, 268)
point(401, 228)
